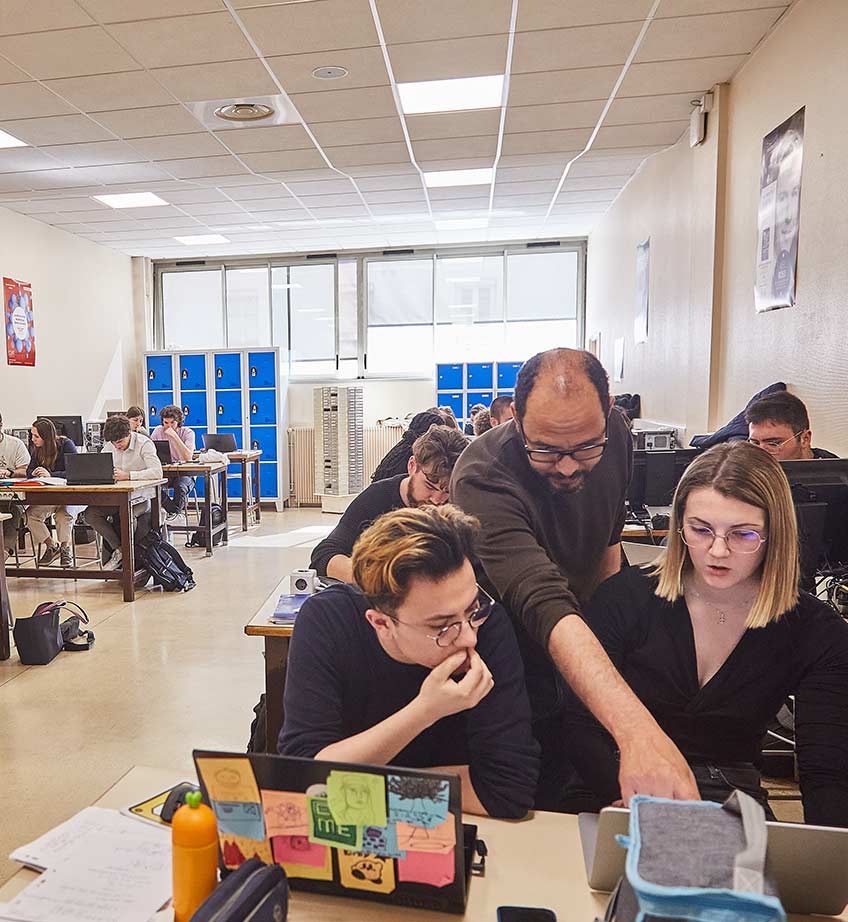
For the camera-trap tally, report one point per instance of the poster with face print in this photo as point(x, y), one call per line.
point(20, 328)
point(777, 225)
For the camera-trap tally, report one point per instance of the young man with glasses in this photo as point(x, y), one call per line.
point(420, 668)
point(779, 423)
point(426, 481)
point(549, 492)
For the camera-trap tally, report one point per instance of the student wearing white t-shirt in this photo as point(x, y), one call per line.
point(14, 459)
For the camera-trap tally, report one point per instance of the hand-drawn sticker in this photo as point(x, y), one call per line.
point(324, 830)
point(229, 779)
point(418, 800)
point(434, 839)
point(370, 873)
point(235, 850)
point(380, 840)
point(357, 798)
point(236, 818)
point(302, 858)
point(285, 813)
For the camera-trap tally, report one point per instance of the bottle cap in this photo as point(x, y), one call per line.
point(194, 823)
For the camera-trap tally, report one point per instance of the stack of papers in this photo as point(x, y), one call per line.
point(99, 866)
point(287, 608)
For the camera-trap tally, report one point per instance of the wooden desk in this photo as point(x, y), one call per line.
point(245, 459)
point(123, 495)
point(207, 472)
point(5, 608)
point(534, 862)
point(277, 638)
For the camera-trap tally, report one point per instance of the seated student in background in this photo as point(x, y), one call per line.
point(448, 416)
point(181, 440)
point(779, 423)
point(716, 637)
point(49, 450)
point(397, 458)
point(371, 674)
point(14, 458)
point(482, 422)
point(500, 410)
point(135, 459)
point(426, 480)
point(472, 415)
point(137, 420)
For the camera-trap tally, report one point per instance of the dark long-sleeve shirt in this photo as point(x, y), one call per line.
point(372, 502)
point(66, 447)
point(341, 682)
point(540, 551)
point(652, 644)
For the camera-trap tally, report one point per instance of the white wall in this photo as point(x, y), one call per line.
point(87, 352)
point(380, 399)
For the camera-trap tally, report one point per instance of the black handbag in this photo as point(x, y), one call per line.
point(41, 637)
point(254, 891)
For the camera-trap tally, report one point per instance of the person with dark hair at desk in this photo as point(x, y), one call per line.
point(14, 459)
point(182, 443)
point(779, 424)
point(716, 637)
point(396, 460)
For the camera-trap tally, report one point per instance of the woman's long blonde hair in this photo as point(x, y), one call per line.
point(744, 472)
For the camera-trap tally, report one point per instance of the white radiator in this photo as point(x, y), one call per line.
point(378, 440)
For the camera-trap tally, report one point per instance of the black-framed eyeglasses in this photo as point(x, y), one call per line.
point(555, 455)
point(450, 633)
point(738, 540)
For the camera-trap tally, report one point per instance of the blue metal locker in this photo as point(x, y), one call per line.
point(480, 376)
point(227, 409)
point(452, 400)
point(262, 369)
point(263, 407)
point(265, 439)
point(507, 374)
point(449, 377)
point(160, 373)
point(268, 479)
point(472, 397)
point(156, 401)
point(228, 371)
point(192, 372)
point(193, 404)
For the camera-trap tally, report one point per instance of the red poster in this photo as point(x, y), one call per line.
point(20, 329)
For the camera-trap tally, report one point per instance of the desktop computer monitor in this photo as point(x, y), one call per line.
point(69, 426)
point(656, 475)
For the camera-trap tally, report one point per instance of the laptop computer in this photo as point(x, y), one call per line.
point(163, 450)
point(807, 863)
point(377, 832)
point(220, 441)
point(90, 469)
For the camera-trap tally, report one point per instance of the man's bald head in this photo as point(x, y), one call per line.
point(561, 374)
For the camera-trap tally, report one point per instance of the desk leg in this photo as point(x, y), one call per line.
point(5, 608)
point(256, 495)
point(245, 493)
point(225, 535)
point(207, 503)
point(127, 547)
point(276, 664)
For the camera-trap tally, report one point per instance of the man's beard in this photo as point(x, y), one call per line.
point(560, 485)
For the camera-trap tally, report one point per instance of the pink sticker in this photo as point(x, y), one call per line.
point(434, 868)
point(298, 850)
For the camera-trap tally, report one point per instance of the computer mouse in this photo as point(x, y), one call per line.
point(176, 799)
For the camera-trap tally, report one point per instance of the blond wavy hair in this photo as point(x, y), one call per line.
point(744, 472)
point(430, 541)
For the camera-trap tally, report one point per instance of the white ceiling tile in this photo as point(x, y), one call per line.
point(661, 133)
point(276, 161)
point(98, 153)
point(11, 74)
point(108, 216)
point(200, 39)
point(588, 183)
point(18, 159)
point(71, 203)
point(130, 172)
point(395, 195)
point(520, 201)
point(439, 125)
point(256, 139)
point(449, 58)
point(532, 142)
point(584, 83)
point(302, 175)
point(119, 91)
point(203, 166)
point(365, 67)
point(467, 163)
point(347, 211)
point(554, 14)
point(449, 193)
point(38, 15)
point(326, 187)
point(449, 148)
point(323, 201)
point(30, 100)
point(265, 191)
point(126, 10)
point(400, 208)
point(359, 154)
point(361, 131)
point(475, 202)
point(213, 208)
point(595, 195)
point(669, 8)
point(225, 80)
point(525, 173)
point(706, 36)
point(382, 169)
point(592, 169)
point(588, 46)
point(342, 105)
point(237, 179)
point(67, 53)
point(56, 129)
point(284, 214)
point(637, 109)
point(319, 25)
point(416, 21)
point(289, 203)
point(384, 183)
point(695, 76)
point(562, 115)
point(149, 122)
point(524, 188)
point(164, 223)
point(178, 146)
point(543, 159)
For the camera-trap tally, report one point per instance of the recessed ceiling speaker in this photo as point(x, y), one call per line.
point(330, 72)
point(244, 112)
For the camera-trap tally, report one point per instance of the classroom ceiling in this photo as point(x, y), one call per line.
point(107, 94)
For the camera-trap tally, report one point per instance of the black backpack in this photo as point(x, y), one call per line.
point(164, 564)
point(198, 539)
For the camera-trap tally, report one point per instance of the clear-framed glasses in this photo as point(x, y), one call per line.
point(773, 445)
point(555, 455)
point(449, 634)
point(738, 540)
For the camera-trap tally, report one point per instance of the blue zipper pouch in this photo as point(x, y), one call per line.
point(254, 892)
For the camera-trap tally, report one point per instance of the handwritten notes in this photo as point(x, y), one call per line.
point(324, 830)
point(435, 869)
point(229, 780)
point(357, 798)
point(435, 839)
point(418, 800)
point(366, 872)
point(285, 813)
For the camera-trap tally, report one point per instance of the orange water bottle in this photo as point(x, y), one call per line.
point(194, 839)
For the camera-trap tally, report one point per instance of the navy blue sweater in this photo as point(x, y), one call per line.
point(341, 682)
point(66, 447)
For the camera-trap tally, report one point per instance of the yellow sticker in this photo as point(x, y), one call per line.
point(440, 839)
point(357, 798)
point(285, 813)
point(366, 872)
point(236, 850)
point(302, 858)
point(229, 780)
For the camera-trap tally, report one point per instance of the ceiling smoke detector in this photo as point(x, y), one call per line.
point(330, 73)
point(244, 112)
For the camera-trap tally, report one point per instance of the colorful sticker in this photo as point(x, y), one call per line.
point(239, 819)
point(380, 840)
point(302, 858)
point(419, 800)
point(357, 798)
point(370, 873)
point(324, 830)
point(437, 870)
point(229, 780)
point(236, 850)
point(285, 813)
point(441, 838)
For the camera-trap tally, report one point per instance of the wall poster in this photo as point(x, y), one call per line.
point(20, 329)
point(643, 287)
point(777, 224)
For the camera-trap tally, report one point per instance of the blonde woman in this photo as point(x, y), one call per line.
point(716, 637)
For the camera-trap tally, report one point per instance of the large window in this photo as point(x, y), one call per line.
point(360, 315)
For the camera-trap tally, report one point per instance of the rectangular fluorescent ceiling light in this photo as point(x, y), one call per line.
point(439, 178)
point(198, 239)
point(451, 95)
point(131, 200)
point(9, 140)
point(463, 224)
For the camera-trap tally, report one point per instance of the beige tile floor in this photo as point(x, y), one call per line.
point(168, 672)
